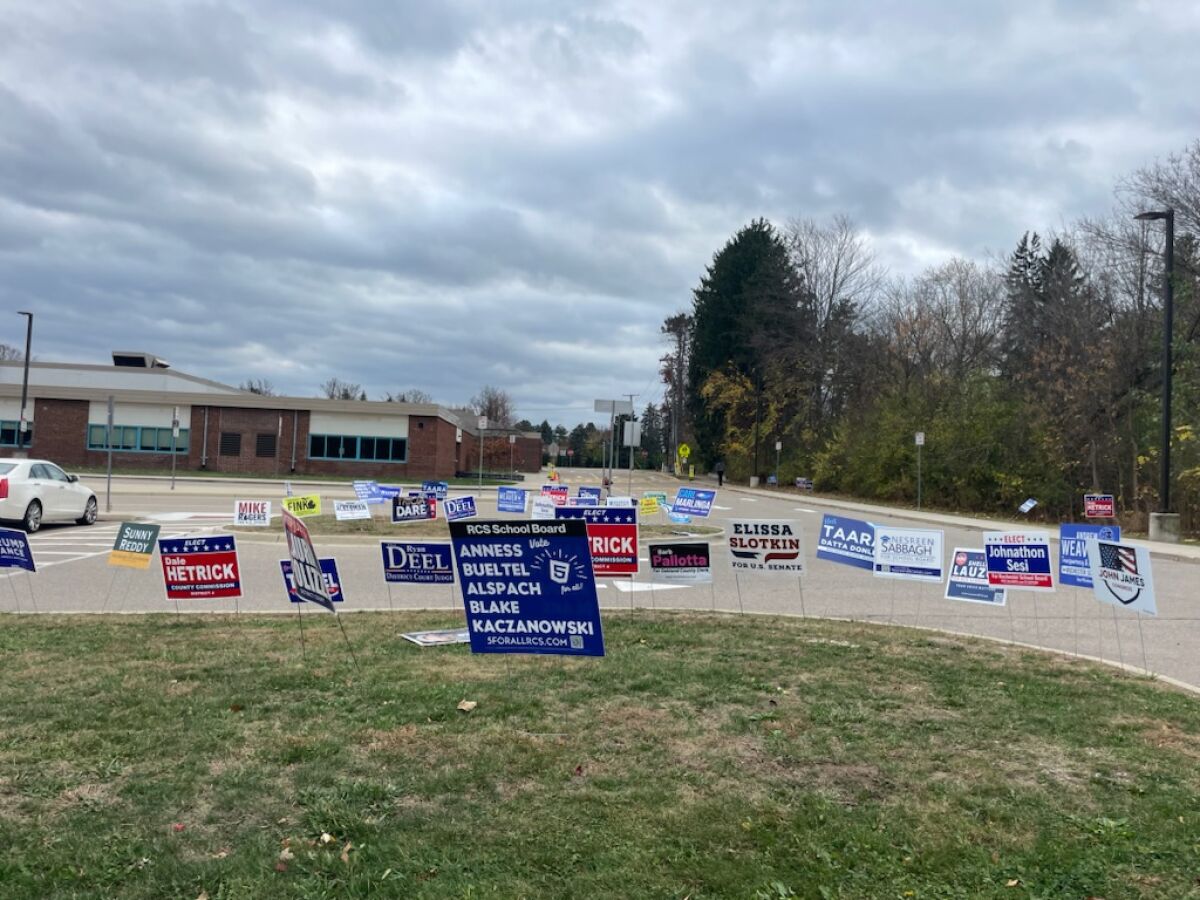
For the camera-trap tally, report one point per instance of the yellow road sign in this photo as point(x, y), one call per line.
point(685, 451)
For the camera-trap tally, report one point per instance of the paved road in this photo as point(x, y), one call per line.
point(76, 578)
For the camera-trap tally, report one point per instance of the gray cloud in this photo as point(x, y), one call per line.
point(439, 196)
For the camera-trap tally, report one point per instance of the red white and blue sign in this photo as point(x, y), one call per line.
point(200, 568)
point(613, 535)
point(439, 490)
point(459, 508)
point(511, 500)
point(1019, 560)
point(1122, 575)
point(329, 574)
point(1073, 567)
point(766, 546)
point(1099, 506)
point(413, 509)
point(850, 542)
point(413, 562)
point(694, 502)
point(969, 579)
point(528, 587)
point(559, 493)
point(15, 552)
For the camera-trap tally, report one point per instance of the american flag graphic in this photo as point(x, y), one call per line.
point(1114, 556)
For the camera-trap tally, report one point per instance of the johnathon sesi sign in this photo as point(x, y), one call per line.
point(134, 545)
point(693, 502)
point(459, 508)
point(329, 572)
point(1121, 575)
point(684, 563)
point(766, 546)
point(511, 500)
point(254, 513)
point(413, 509)
point(528, 587)
point(200, 568)
point(968, 579)
point(613, 535)
point(15, 552)
point(1074, 568)
point(914, 553)
point(1019, 560)
point(308, 582)
point(850, 542)
point(409, 562)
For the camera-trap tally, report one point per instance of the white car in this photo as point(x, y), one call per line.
point(33, 491)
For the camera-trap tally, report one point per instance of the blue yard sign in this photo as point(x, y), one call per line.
point(528, 587)
point(512, 500)
point(410, 562)
point(15, 552)
point(969, 579)
point(413, 509)
point(459, 508)
point(850, 542)
point(368, 491)
point(1073, 567)
point(694, 502)
point(439, 490)
point(589, 493)
point(329, 572)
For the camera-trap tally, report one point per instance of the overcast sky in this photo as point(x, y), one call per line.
point(442, 195)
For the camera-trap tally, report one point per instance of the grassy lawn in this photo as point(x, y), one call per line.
point(706, 756)
point(382, 527)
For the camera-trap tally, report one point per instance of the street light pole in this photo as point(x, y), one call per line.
point(22, 426)
point(1165, 525)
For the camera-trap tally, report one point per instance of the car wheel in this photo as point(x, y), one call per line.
point(89, 513)
point(33, 517)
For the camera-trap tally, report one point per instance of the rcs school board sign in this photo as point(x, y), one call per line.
point(528, 587)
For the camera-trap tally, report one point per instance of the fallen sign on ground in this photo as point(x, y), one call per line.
point(441, 638)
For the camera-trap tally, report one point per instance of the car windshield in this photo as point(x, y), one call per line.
point(5, 468)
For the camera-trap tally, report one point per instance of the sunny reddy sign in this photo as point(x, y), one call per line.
point(134, 545)
point(913, 553)
point(766, 546)
point(528, 587)
point(1019, 560)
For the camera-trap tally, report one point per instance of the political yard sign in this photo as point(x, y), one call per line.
point(439, 490)
point(528, 587)
point(850, 542)
point(253, 513)
point(766, 546)
point(459, 508)
point(588, 493)
point(689, 563)
point(559, 493)
point(693, 502)
point(307, 580)
point(1019, 560)
point(968, 579)
point(134, 545)
point(413, 509)
point(612, 534)
point(914, 553)
point(368, 492)
point(648, 506)
point(304, 505)
point(200, 568)
point(409, 562)
point(1099, 506)
point(1121, 575)
point(1074, 568)
point(329, 572)
point(15, 552)
point(542, 508)
point(511, 500)
point(350, 510)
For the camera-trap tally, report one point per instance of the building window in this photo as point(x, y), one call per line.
point(10, 432)
point(264, 445)
point(136, 439)
point(231, 443)
point(357, 448)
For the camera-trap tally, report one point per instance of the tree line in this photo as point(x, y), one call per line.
point(1037, 375)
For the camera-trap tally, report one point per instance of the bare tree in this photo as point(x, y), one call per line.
point(336, 389)
point(411, 395)
point(1174, 183)
point(9, 352)
point(261, 386)
point(494, 403)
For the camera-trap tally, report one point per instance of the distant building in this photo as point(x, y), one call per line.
point(225, 429)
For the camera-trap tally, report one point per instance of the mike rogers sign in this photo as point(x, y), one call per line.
point(527, 587)
point(688, 563)
point(256, 513)
point(200, 568)
point(612, 534)
point(914, 553)
point(408, 562)
point(1018, 559)
point(766, 546)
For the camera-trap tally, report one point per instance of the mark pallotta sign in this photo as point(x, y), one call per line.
point(329, 573)
point(409, 562)
point(200, 568)
point(766, 546)
point(1121, 575)
point(255, 513)
point(134, 545)
point(528, 587)
point(1019, 560)
point(690, 563)
point(968, 579)
point(914, 553)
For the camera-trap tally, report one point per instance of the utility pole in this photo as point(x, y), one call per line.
point(23, 425)
point(632, 441)
point(757, 419)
